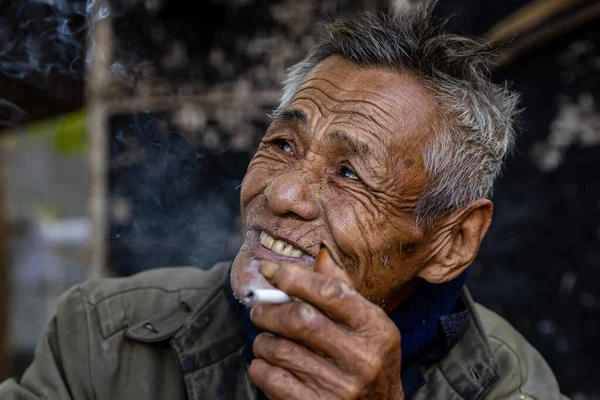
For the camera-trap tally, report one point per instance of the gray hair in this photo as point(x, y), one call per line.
point(476, 132)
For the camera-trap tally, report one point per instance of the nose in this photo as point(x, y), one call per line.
point(290, 193)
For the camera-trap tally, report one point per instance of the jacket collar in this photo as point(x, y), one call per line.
point(469, 367)
point(210, 349)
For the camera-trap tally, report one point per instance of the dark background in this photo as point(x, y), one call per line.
point(539, 266)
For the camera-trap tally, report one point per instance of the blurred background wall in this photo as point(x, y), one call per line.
point(127, 127)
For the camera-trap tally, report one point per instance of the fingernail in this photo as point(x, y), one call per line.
point(268, 268)
point(332, 253)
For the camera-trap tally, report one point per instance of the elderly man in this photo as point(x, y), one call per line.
point(366, 202)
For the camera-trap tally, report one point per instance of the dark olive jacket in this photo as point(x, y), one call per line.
point(170, 334)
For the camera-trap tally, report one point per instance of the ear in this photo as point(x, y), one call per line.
point(455, 241)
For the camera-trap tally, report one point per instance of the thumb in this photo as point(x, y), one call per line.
point(328, 263)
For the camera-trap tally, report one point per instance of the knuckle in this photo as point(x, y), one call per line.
point(305, 318)
point(329, 288)
point(388, 339)
point(353, 391)
point(385, 327)
point(369, 367)
point(394, 337)
point(389, 330)
point(333, 289)
point(371, 370)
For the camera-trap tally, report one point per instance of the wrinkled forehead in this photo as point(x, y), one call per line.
point(395, 107)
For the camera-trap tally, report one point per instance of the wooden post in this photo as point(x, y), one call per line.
point(5, 356)
point(97, 116)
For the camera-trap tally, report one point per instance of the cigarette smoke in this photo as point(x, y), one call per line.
point(173, 201)
point(47, 45)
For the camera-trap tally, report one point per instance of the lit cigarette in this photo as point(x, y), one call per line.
point(271, 296)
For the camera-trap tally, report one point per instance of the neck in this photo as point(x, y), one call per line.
point(400, 295)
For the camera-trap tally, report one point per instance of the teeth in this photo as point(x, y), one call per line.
point(297, 253)
point(266, 240)
point(287, 250)
point(279, 246)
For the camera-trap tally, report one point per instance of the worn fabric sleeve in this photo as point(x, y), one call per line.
point(61, 366)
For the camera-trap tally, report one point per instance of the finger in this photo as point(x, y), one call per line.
point(303, 323)
point(331, 295)
point(276, 382)
point(310, 368)
point(327, 262)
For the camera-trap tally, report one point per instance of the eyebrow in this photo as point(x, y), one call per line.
point(354, 145)
point(292, 116)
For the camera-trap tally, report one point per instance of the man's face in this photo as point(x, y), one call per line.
point(343, 164)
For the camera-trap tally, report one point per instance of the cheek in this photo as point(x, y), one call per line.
point(356, 219)
point(257, 178)
point(374, 244)
point(352, 231)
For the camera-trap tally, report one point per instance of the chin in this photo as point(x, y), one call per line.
point(245, 277)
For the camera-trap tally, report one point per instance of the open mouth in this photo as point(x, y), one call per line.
point(279, 246)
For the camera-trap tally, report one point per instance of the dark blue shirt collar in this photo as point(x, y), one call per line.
point(453, 326)
point(430, 324)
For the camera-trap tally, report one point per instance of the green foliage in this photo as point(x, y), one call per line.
point(68, 132)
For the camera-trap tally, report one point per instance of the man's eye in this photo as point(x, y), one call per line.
point(348, 173)
point(284, 146)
